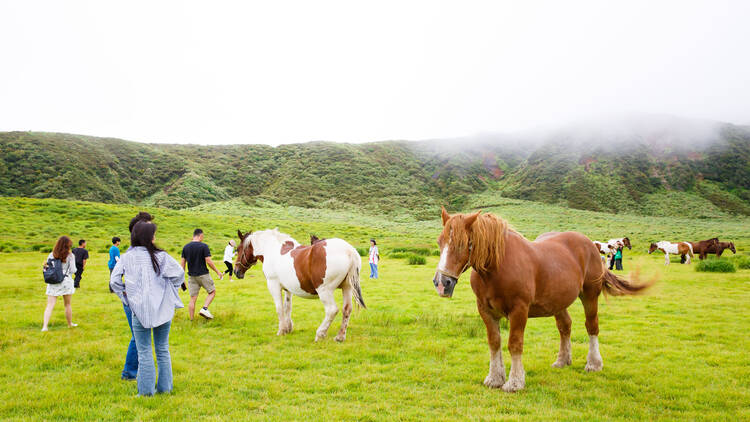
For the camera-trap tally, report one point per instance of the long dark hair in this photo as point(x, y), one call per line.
point(62, 248)
point(143, 235)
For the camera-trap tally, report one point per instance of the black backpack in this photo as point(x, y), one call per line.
point(53, 274)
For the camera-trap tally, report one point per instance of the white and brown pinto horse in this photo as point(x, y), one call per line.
point(679, 248)
point(612, 244)
point(306, 271)
point(516, 279)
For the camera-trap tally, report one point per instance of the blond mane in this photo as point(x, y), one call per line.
point(487, 239)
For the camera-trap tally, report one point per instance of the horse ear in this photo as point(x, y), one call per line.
point(469, 221)
point(445, 215)
point(239, 233)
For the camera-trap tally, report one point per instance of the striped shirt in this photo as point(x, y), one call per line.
point(152, 297)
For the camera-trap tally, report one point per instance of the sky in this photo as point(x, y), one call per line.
point(278, 72)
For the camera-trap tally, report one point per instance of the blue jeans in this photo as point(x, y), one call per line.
point(373, 270)
point(146, 369)
point(130, 371)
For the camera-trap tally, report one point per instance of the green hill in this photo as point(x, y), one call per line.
point(663, 171)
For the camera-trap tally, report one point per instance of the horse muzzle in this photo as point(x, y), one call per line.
point(239, 275)
point(444, 284)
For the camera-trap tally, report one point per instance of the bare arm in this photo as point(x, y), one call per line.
point(182, 264)
point(213, 267)
point(83, 264)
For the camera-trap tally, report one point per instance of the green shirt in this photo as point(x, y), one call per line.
point(618, 254)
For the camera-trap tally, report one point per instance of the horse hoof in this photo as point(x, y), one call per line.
point(493, 382)
point(560, 363)
point(512, 386)
point(319, 338)
point(593, 366)
point(340, 338)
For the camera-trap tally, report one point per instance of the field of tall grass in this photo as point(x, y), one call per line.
point(679, 352)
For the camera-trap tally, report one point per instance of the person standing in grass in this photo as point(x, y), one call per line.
point(114, 253)
point(197, 255)
point(65, 289)
point(618, 258)
point(82, 255)
point(229, 257)
point(147, 278)
point(374, 258)
point(130, 370)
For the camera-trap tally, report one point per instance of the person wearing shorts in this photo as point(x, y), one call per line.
point(197, 256)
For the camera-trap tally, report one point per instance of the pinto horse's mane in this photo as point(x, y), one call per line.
point(486, 237)
point(275, 233)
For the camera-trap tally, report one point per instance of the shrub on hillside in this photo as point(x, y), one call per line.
point(398, 255)
point(742, 262)
point(417, 260)
point(716, 265)
point(362, 251)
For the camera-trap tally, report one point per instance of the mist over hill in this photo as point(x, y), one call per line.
point(651, 165)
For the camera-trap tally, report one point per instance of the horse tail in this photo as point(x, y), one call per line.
point(618, 286)
point(353, 276)
point(690, 249)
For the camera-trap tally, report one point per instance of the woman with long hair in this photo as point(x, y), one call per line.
point(62, 251)
point(148, 278)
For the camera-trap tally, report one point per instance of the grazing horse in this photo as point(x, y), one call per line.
point(306, 271)
point(720, 246)
point(679, 248)
point(702, 247)
point(516, 279)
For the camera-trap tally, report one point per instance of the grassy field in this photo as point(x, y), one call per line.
point(680, 352)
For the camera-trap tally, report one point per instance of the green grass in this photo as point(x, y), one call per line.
point(677, 353)
point(716, 265)
point(416, 260)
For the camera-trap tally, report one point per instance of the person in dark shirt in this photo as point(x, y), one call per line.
point(82, 255)
point(197, 256)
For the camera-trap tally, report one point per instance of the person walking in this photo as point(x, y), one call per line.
point(374, 258)
point(65, 289)
point(229, 257)
point(618, 259)
point(147, 278)
point(197, 255)
point(82, 255)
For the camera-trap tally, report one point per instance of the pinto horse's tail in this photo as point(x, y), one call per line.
point(353, 276)
point(618, 286)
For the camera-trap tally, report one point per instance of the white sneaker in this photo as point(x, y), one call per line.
point(205, 313)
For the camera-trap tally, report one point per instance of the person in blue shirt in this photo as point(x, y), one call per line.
point(114, 253)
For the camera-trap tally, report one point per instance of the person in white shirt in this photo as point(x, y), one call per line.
point(229, 254)
point(374, 259)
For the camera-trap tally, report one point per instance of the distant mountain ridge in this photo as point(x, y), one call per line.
point(606, 168)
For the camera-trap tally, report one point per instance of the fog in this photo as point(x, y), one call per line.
point(281, 72)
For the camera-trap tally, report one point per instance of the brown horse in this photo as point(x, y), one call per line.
point(518, 279)
point(702, 247)
point(720, 246)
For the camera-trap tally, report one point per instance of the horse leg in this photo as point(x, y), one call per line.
point(563, 326)
point(590, 300)
point(666, 258)
point(496, 377)
point(517, 376)
point(346, 311)
point(275, 288)
point(288, 325)
point(326, 296)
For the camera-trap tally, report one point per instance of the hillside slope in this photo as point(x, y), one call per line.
point(673, 168)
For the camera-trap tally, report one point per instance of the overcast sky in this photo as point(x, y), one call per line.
point(285, 71)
